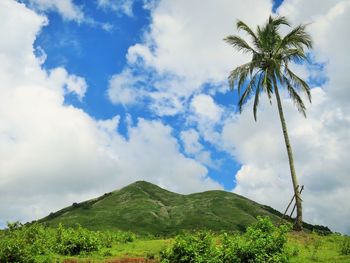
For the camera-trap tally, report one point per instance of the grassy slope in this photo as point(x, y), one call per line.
point(145, 208)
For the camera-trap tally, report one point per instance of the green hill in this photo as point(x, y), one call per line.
point(146, 208)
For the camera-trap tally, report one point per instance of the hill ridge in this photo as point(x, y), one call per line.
point(145, 208)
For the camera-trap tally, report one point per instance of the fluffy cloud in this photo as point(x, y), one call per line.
point(184, 47)
point(185, 37)
point(194, 148)
point(329, 24)
point(124, 6)
point(320, 142)
point(52, 154)
point(205, 107)
point(124, 88)
point(66, 8)
point(70, 83)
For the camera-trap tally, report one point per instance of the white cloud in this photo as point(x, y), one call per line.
point(207, 117)
point(192, 146)
point(186, 37)
point(191, 142)
point(69, 83)
point(156, 153)
point(66, 8)
point(184, 47)
point(120, 6)
point(205, 107)
point(123, 88)
point(329, 26)
point(320, 143)
point(51, 154)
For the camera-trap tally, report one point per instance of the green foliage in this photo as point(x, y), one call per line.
point(198, 248)
point(37, 243)
point(345, 246)
point(263, 242)
point(26, 243)
point(108, 238)
point(72, 241)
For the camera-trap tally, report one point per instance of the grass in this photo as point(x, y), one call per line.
point(303, 247)
point(139, 249)
point(315, 248)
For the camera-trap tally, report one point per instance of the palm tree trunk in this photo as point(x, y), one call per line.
point(299, 220)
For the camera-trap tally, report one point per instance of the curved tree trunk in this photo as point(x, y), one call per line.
point(299, 220)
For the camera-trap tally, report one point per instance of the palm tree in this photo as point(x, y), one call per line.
point(268, 71)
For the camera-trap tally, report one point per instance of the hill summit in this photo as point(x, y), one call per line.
point(143, 208)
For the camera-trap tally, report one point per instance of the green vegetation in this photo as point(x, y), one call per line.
point(268, 71)
point(145, 208)
point(97, 230)
point(36, 243)
point(312, 247)
point(262, 242)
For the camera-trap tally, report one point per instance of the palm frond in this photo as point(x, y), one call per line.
point(256, 101)
point(243, 26)
point(239, 43)
point(278, 20)
point(236, 74)
point(298, 82)
point(297, 38)
point(293, 54)
point(249, 89)
point(267, 85)
point(295, 97)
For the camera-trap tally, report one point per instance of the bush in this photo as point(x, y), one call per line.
point(36, 243)
point(345, 247)
point(77, 241)
point(31, 243)
point(198, 248)
point(262, 242)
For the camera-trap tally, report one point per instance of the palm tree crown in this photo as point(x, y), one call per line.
point(271, 55)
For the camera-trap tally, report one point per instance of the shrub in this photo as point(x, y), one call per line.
point(262, 242)
point(36, 243)
point(77, 241)
point(345, 247)
point(198, 248)
point(27, 243)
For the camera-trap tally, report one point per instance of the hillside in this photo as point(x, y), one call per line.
point(146, 208)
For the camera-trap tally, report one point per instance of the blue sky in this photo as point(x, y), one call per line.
point(98, 94)
point(96, 54)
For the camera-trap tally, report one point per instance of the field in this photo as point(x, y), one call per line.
point(260, 243)
point(303, 248)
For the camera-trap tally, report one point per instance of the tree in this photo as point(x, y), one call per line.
point(268, 70)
